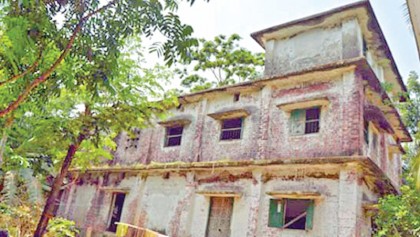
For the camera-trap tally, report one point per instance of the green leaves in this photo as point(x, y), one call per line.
point(223, 60)
point(60, 227)
point(399, 215)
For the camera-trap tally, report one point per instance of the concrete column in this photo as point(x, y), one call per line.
point(349, 203)
point(139, 191)
point(263, 128)
point(198, 140)
point(254, 199)
point(186, 209)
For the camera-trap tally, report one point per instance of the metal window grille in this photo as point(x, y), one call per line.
point(174, 136)
point(312, 120)
point(231, 129)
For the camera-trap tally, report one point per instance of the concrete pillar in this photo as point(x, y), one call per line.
point(254, 199)
point(186, 206)
point(263, 128)
point(349, 202)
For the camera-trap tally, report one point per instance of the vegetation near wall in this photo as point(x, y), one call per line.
point(399, 215)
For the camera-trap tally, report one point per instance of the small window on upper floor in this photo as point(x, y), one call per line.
point(173, 136)
point(231, 129)
point(305, 121)
point(288, 213)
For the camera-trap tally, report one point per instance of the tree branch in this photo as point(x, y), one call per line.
point(215, 76)
point(41, 79)
point(28, 70)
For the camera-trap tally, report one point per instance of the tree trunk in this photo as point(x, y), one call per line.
point(55, 189)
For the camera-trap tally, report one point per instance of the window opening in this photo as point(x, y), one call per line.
point(173, 136)
point(116, 210)
point(231, 129)
point(291, 213)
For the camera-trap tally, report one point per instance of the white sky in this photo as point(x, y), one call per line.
point(247, 16)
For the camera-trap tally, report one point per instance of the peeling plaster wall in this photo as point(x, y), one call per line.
point(169, 203)
point(389, 161)
point(339, 125)
point(312, 48)
point(265, 132)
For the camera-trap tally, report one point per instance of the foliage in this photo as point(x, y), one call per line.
point(225, 60)
point(399, 215)
point(67, 87)
point(20, 187)
point(411, 116)
point(39, 55)
point(411, 108)
point(60, 227)
point(21, 220)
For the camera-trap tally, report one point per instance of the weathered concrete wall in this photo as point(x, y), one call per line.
point(340, 125)
point(265, 131)
point(170, 202)
point(313, 48)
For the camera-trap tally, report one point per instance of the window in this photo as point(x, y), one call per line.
point(116, 210)
point(220, 215)
point(173, 136)
point(305, 121)
point(291, 213)
point(366, 131)
point(231, 129)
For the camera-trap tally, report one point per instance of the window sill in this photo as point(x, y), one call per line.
point(291, 230)
point(305, 135)
point(230, 141)
point(171, 147)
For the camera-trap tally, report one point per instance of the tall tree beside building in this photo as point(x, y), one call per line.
point(220, 62)
point(411, 115)
point(51, 69)
point(404, 209)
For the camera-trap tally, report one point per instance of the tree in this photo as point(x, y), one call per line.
point(33, 48)
point(411, 116)
point(49, 71)
point(399, 215)
point(222, 60)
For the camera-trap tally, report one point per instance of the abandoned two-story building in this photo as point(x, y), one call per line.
point(305, 151)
